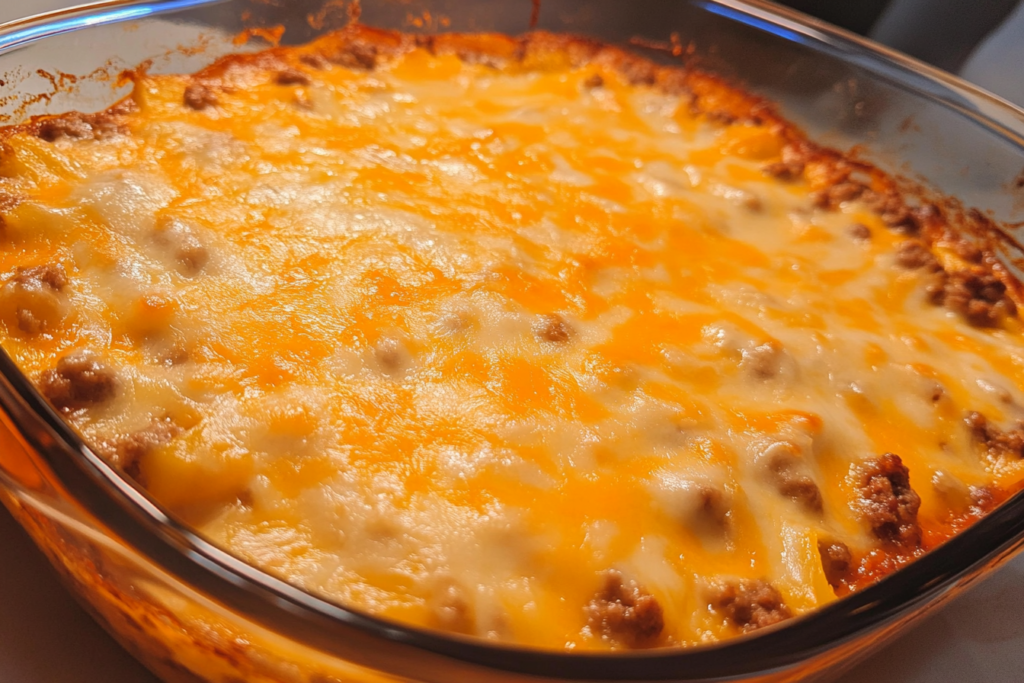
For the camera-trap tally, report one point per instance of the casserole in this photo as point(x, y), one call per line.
point(662, 666)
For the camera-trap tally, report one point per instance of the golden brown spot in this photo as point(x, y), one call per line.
point(391, 355)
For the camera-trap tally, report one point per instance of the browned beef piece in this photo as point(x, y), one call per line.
point(835, 561)
point(199, 96)
point(889, 504)
point(625, 614)
point(79, 380)
point(750, 604)
point(978, 296)
point(999, 444)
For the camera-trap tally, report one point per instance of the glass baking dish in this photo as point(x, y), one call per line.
point(192, 612)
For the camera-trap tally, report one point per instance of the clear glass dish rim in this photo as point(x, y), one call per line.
point(125, 510)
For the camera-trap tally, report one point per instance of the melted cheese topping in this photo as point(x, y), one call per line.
point(448, 343)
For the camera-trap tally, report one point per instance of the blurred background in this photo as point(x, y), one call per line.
point(981, 40)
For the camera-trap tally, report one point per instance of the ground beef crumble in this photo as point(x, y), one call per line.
point(78, 380)
point(127, 452)
point(887, 205)
point(199, 96)
point(34, 293)
point(315, 60)
point(72, 126)
point(835, 561)
point(51, 275)
point(913, 254)
point(979, 296)
point(625, 614)
point(713, 511)
point(859, 232)
point(356, 56)
point(786, 171)
point(834, 195)
point(888, 503)
point(892, 211)
point(190, 255)
point(788, 475)
point(291, 76)
point(998, 443)
point(750, 604)
point(974, 292)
